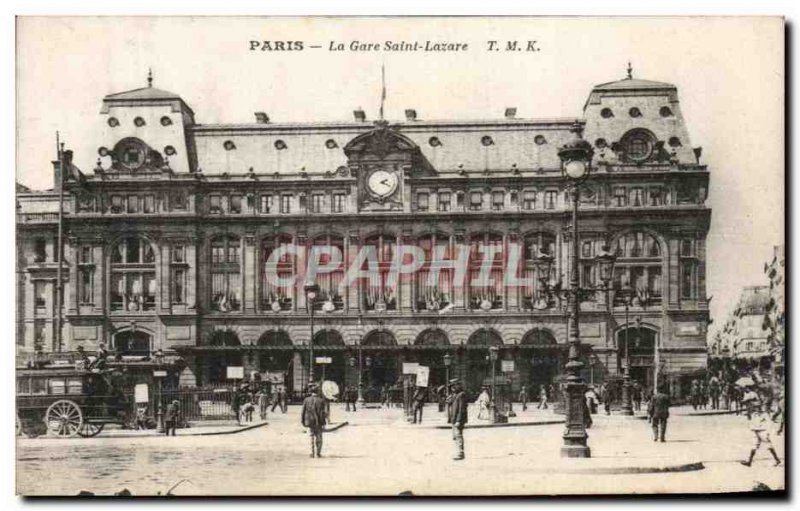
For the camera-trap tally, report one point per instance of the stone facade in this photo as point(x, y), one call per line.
point(167, 240)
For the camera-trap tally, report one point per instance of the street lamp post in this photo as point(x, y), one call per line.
point(311, 295)
point(448, 359)
point(360, 382)
point(576, 158)
point(493, 359)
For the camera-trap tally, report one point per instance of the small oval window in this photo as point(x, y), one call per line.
point(606, 113)
point(139, 122)
point(434, 142)
point(166, 121)
point(540, 140)
point(229, 145)
point(665, 111)
point(635, 112)
point(113, 122)
point(102, 151)
point(170, 151)
point(331, 144)
point(600, 142)
point(487, 140)
point(280, 145)
point(674, 142)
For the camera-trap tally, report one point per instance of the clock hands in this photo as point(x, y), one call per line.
point(385, 182)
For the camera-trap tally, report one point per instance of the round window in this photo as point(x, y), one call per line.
point(674, 142)
point(169, 151)
point(280, 144)
point(434, 142)
point(139, 122)
point(540, 140)
point(487, 140)
point(113, 122)
point(131, 154)
point(635, 112)
point(331, 144)
point(665, 111)
point(606, 113)
point(166, 121)
point(229, 145)
point(638, 145)
point(600, 142)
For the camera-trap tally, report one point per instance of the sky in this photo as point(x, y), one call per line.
point(729, 73)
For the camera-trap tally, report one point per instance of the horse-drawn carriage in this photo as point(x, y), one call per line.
point(69, 401)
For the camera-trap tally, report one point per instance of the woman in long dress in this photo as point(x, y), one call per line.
point(483, 403)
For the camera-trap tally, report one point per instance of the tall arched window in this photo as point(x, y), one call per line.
point(434, 292)
point(273, 296)
point(329, 291)
point(380, 293)
point(534, 244)
point(226, 276)
point(133, 275)
point(639, 266)
point(489, 294)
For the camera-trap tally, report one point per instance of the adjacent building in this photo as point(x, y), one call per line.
point(167, 242)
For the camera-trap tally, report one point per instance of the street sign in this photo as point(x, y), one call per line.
point(159, 374)
point(141, 393)
point(323, 360)
point(235, 373)
point(423, 372)
point(507, 366)
point(410, 367)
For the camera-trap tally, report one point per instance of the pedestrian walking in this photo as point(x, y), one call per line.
point(523, 397)
point(761, 425)
point(694, 393)
point(280, 400)
point(418, 403)
point(141, 417)
point(714, 392)
point(542, 398)
point(171, 417)
point(314, 416)
point(263, 402)
point(457, 416)
point(591, 399)
point(658, 414)
point(636, 394)
point(483, 402)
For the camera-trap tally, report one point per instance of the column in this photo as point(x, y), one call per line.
point(249, 273)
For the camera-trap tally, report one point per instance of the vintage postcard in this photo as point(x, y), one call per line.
point(461, 256)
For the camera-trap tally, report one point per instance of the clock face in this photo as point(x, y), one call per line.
point(382, 183)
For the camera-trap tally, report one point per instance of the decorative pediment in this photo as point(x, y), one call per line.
point(380, 142)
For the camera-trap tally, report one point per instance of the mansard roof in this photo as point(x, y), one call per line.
point(144, 93)
point(633, 84)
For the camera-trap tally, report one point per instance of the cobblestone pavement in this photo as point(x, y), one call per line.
point(378, 453)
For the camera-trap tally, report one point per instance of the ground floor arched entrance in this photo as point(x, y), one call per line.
point(215, 363)
point(275, 358)
point(642, 341)
point(541, 361)
point(432, 344)
point(329, 345)
point(478, 365)
point(380, 363)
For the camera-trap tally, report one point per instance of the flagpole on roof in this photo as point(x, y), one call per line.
point(383, 88)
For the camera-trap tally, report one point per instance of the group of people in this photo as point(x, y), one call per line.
point(246, 399)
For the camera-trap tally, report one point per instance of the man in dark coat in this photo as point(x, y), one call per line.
point(418, 403)
point(658, 413)
point(457, 415)
point(171, 417)
point(314, 416)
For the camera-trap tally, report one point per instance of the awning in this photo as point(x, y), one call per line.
point(340, 347)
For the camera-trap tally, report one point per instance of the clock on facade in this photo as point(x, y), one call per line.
point(382, 183)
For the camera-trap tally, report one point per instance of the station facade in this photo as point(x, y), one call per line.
point(167, 243)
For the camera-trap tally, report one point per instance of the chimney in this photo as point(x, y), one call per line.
point(511, 112)
point(67, 156)
point(262, 118)
point(411, 114)
point(359, 115)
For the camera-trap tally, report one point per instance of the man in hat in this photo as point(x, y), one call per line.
point(457, 415)
point(314, 417)
point(658, 413)
point(418, 403)
point(171, 417)
point(523, 397)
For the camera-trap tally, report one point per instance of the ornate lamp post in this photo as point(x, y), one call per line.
point(493, 360)
point(448, 359)
point(360, 382)
point(311, 296)
point(627, 294)
point(576, 159)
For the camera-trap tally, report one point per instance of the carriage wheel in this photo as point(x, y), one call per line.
point(90, 429)
point(63, 418)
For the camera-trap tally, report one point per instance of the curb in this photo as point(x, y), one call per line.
point(231, 432)
point(339, 425)
point(685, 467)
point(710, 412)
point(504, 425)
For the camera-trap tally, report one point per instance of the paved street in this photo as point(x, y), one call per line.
point(377, 453)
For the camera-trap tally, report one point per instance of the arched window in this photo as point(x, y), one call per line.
point(133, 275)
point(329, 290)
point(538, 337)
point(226, 277)
point(379, 293)
point(639, 266)
point(132, 343)
point(534, 244)
point(432, 337)
point(485, 337)
point(434, 291)
point(489, 294)
point(273, 296)
point(638, 145)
